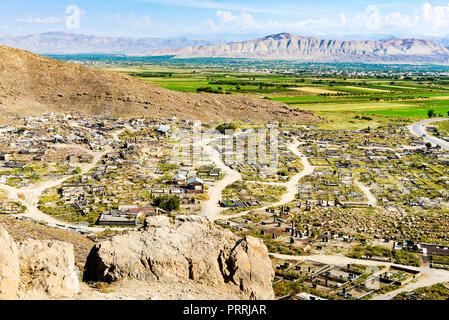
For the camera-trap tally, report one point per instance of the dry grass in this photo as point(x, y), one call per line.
point(315, 90)
point(60, 154)
point(368, 89)
point(439, 98)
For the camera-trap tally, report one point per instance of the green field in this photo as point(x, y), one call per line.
point(345, 102)
point(412, 111)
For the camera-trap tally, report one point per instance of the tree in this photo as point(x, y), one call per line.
point(167, 203)
point(428, 145)
point(282, 173)
point(431, 113)
point(172, 204)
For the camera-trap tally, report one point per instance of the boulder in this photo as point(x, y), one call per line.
point(185, 248)
point(9, 266)
point(47, 267)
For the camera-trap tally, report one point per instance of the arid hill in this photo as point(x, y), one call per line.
point(31, 84)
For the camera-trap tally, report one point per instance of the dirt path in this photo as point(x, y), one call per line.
point(291, 185)
point(429, 278)
point(372, 201)
point(211, 208)
point(29, 196)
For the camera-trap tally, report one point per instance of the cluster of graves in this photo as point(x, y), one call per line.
point(350, 282)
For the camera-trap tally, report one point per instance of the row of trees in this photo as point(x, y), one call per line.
point(431, 114)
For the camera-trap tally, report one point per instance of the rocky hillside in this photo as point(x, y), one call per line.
point(186, 257)
point(294, 47)
point(32, 84)
point(71, 43)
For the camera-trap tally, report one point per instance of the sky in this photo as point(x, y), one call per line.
point(228, 19)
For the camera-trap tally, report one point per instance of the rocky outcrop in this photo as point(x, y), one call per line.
point(9, 266)
point(186, 248)
point(36, 269)
point(47, 267)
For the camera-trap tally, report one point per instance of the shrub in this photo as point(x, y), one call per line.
point(226, 126)
point(167, 203)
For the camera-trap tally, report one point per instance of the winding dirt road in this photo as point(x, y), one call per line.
point(211, 208)
point(29, 196)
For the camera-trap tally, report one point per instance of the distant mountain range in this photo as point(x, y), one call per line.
point(277, 46)
point(294, 47)
point(70, 43)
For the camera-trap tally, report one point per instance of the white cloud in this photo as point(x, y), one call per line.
point(426, 19)
point(227, 21)
point(373, 18)
point(46, 20)
point(226, 16)
point(224, 5)
point(130, 20)
point(399, 20)
point(435, 17)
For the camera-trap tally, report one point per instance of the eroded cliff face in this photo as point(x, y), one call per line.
point(186, 248)
point(47, 267)
point(9, 266)
point(36, 269)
